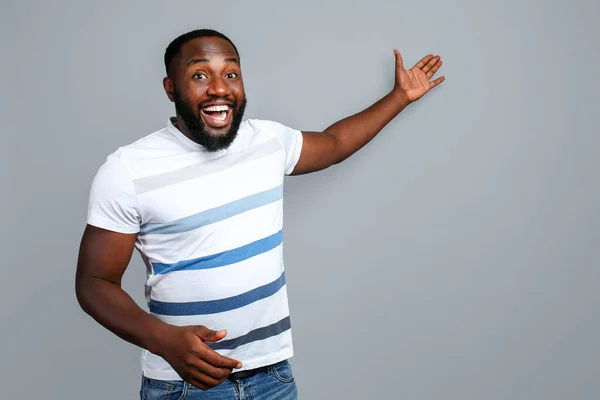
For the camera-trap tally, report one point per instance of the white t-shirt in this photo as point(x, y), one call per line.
point(209, 230)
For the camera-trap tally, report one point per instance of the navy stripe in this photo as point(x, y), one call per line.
point(253, 336)
point(215, 214)
point(225, 258)
point(218, 306)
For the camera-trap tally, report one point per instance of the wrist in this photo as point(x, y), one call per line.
point(159, 333)
point(400, 97)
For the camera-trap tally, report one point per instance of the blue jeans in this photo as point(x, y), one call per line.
point(277, 383)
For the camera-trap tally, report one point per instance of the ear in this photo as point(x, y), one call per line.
point(168, 85)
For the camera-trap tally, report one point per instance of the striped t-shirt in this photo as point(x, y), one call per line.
point(209, 230)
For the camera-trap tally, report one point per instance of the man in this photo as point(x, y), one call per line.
point(201, 200)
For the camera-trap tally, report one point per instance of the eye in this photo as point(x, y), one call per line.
point(199, 76)
point(232, 75)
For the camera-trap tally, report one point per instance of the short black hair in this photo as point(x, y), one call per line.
point(173, 48)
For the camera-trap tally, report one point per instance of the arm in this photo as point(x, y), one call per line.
point(103, 258)
point(342, 139)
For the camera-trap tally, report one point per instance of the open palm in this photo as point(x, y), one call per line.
point(415, 82)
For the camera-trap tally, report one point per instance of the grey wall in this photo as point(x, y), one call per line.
point(456, 256)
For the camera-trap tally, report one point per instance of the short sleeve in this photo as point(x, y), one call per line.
point(113, 203)
point(290, 139)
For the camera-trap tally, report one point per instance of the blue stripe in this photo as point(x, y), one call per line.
point(217, 306)
point(253, 336)
point(225, 258)
point(215, 214)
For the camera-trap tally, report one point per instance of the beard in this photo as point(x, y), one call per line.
point(195, 125)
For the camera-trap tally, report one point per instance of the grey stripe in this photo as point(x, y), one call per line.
point(143, 185)
point(253, 336)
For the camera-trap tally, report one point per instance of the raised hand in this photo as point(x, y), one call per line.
point(196, 363)
point(415, 82)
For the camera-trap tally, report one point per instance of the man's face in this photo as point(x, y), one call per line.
point(208, 91)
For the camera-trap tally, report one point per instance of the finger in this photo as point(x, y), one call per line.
point(198, 384)
point(209, 335)
point(434, 69)
point(218, 360)
point(439, 80)
point(424, 61)
point(430, 64)
point(206, 382)
point(205, 368)
point(399, 60)
point(204, 379)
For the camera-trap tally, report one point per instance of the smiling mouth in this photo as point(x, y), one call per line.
point(218, 116)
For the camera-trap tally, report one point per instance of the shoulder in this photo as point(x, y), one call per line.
point(267, 126)
point(151, 154)
point(161, 139)
point(273, 129)
point(289, 140)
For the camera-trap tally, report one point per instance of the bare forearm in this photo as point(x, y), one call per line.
point(353, 132)
point(114, 309)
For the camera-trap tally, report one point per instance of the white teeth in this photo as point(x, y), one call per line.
point(216, 108)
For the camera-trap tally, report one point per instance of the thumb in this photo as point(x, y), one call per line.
point(209, 335)
point(399, 61)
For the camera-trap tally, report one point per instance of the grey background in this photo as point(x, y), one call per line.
point(454, 257)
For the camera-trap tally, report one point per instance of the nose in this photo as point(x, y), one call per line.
point(218, 87)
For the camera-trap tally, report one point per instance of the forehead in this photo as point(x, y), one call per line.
point(206, 47)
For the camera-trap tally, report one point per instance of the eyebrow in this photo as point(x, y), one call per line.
point(193, 61)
